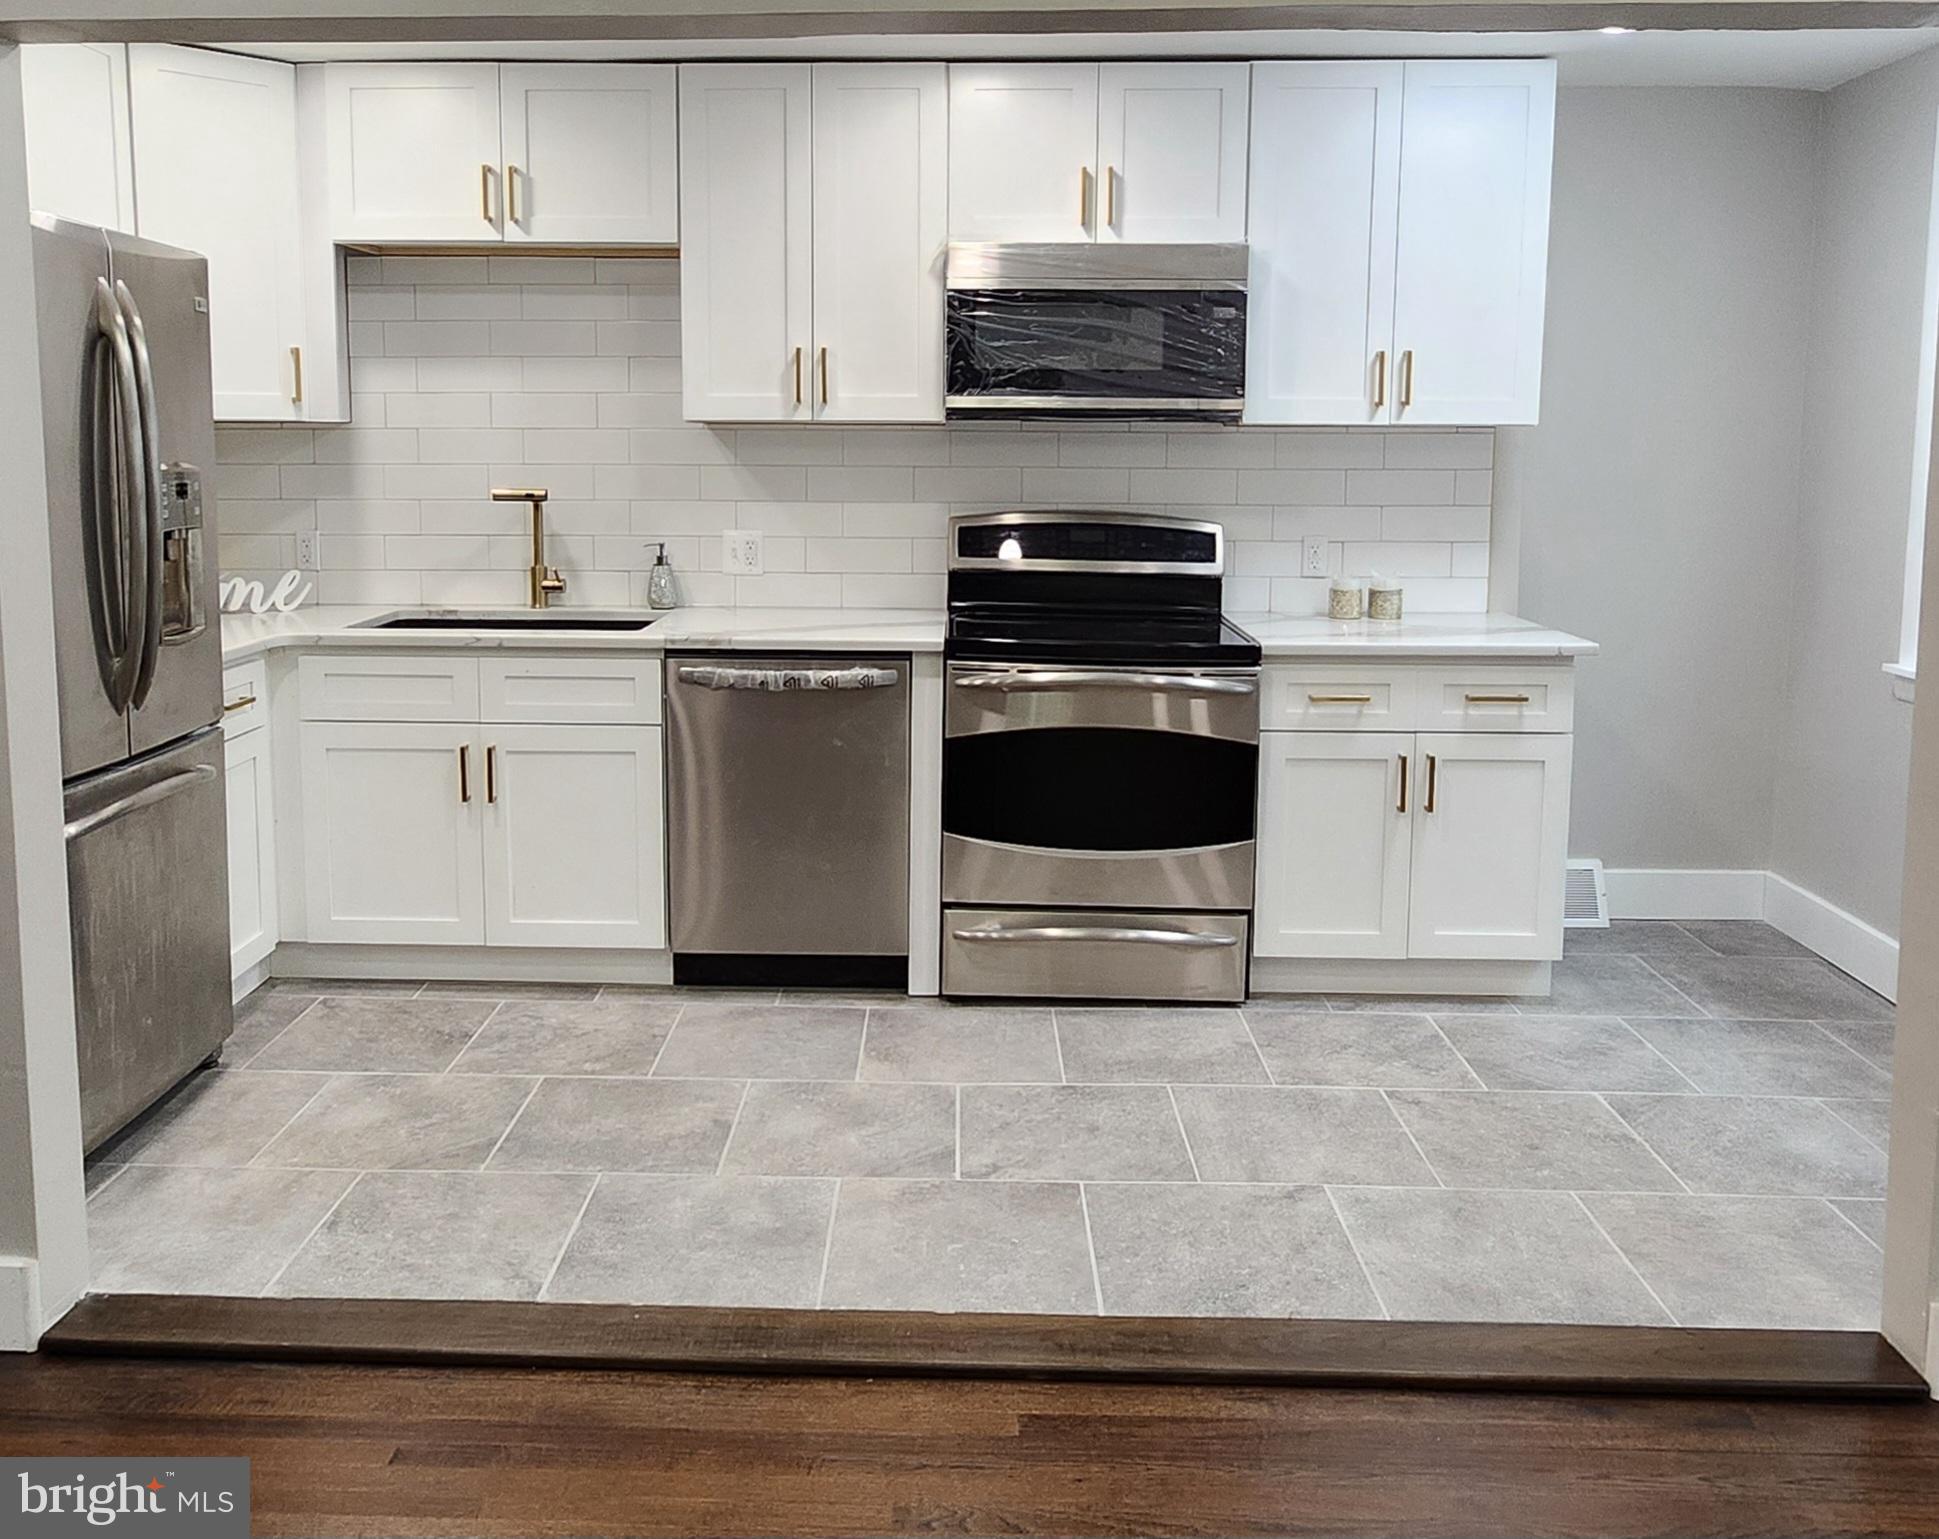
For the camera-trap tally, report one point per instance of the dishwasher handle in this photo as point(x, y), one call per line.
point(785, 680)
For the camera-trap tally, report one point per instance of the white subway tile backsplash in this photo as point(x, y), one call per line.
point(474, 371)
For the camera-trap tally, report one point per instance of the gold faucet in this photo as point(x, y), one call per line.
point(546, 580)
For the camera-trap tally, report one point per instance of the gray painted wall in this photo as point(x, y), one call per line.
point(1658, 499)
point(1845, 746)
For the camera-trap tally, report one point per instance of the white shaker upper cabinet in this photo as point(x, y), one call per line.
point(1023, 152)
point(1325, 175)
point(590, 153)
point(79, 163)
point(1171, 142)
point(413, 152)
point(746, 242)
point(1471, 272)
point(218, 175)
point(881, 215)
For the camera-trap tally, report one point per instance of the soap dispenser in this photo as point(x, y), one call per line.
point(660, 592)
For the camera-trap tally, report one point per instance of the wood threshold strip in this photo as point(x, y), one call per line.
point(1356, 1353)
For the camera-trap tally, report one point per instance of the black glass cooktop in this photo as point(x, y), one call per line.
point(1036, 633)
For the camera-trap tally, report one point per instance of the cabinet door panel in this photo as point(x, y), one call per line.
point(1325, 155)
point(391, 847)
point(746, 242)
point(1477, 138)
point(574, 854)
point(252, 851)
point(1023, 152)
point(80, 164)
point(218, 175)
point(1489, 846)
point(413, 152)
point(1171, 146)
point(881, 216)
point(1333, 844)
point(590, 153)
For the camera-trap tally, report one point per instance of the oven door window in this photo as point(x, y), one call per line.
point(1099, 788)
point(1104, 345)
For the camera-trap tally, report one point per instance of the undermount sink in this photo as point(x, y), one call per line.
point(538, 621)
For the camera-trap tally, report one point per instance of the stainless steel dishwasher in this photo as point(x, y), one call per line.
point(788, 819)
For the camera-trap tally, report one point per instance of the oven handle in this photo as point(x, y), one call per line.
point(1057, 680)
point(1189, 939)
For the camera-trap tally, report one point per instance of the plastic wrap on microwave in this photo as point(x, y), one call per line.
point(1094, 346)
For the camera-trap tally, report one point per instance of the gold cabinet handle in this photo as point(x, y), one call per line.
point(484, 194)
point(464, 772)
point(1380, 378)
point(512, 174)
point(296, 370)
point(1497, 699)
point(1407, 378)
point(491, 772)
point(1084, 197)
point(797, 376)
point(821, 363)
point(239, 705)
point(1402, 807)
point(1432, 779)
point(1339, 699)
point(1111, 196)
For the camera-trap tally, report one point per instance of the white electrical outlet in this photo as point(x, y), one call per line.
point(740, 552)
point(1313, 558)
point(306, 551)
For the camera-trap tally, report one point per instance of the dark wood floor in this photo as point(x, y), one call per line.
point(397, 1451)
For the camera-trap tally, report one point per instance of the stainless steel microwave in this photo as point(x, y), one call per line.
point(1108, 330)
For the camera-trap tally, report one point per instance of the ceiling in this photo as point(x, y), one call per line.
point(1801, 60)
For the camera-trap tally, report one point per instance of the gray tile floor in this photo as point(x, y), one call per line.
point(1690, 1130)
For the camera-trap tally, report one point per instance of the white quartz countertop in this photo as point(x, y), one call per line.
point(877, 630)
point(734, 630)
point(1424, 635)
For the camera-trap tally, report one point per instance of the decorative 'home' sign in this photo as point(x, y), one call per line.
point(240, 594)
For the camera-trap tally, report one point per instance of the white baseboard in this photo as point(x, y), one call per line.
point(251, 978)
point(1844, 940)
point(1647, 894)
point(536, 964)
point(19, 1304)
point(1400, 975)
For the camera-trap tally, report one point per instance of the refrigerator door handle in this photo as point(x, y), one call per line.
point(151, 435)
point(134, 801)
point(128, 544)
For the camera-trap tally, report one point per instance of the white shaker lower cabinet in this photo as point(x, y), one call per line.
point(533, 815)
point(573, 837)
point(1491, 828)
point(391, 832)
point(1413, 845)
point(249, 786)
point(1335, 843)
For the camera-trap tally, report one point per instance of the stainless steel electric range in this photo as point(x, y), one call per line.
point(1100, 760)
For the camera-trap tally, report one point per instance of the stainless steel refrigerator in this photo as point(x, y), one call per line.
point(126, 408)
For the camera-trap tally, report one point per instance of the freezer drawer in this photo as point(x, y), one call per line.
point(148, 900)
point(1090, 954)
point(788, 805)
